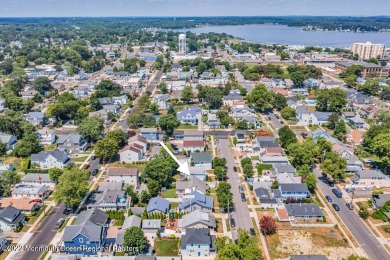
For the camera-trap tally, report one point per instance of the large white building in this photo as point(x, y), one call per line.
point(368, 50)
point(182, 44)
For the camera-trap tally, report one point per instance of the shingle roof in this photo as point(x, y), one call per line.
point(262, 193)
point(193, 144)
point(121, 171)
point(302, 210)
point(371, 174)
point(74, 138)
point(195, 217)
point(282, 168)
point(294, 187)
point(132, 221)
point(158, 203)
point(35, 177)
point(199, 198)
point(196, 236)
point(192, 181)
point(202, 157)
point(43, 155)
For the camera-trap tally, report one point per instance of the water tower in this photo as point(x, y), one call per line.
point(182, 44)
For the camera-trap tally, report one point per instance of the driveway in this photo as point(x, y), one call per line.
point(44, 234)
point(241, 212)
point(354, 223)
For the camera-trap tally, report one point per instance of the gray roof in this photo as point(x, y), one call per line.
point(197, 217)
point(5, 138)
point(89, 224)
point(149, 130)
point(371, 174)
point(35, 177)
point(159, 204)
point(268, 201)
point(199, 198)
point(202, 157)
point(151, 223)
point(132, 221)
point(59, 155)
point(267, 142)
point(192, 182)
point(262, 193)
point(11, 215)
point(137, 210)
point(282, 168)
point(302, 210)
point(110, 186)
point(197, 236)
point(38, 115)
point(190, 112)
point(294, 187)
point(74, 138)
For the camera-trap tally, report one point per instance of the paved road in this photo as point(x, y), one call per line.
point(94, 165)
point(241, 212)
point(155, 81)
point(271, 116)
point(355, 224)
point(44, 234)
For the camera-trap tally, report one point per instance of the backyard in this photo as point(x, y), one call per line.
point(167, 247)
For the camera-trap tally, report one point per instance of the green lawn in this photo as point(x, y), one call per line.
point(313, 127)
point(139, 166)
point(167, 247)
point(170, 193)
point(187, 126)
point(79, 159)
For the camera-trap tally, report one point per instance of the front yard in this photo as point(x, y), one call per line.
point(167, 247)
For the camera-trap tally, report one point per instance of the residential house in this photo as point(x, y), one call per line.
point(51, 159)
point(297, 191)
point(212, 121)
point(234, 95)
point(158, 205)
point(3, 243)
point(194, 146)
point(131, 153)
point(283, 168)
point(109, 200)
point(370, 178)
point(81, 92)
point(38, 178)
point(130, 221)
point(106, 185)
point(6, 167)
point(266, 141)
point(287, 178)
point(353, 163)
point(197, 242)
point(124, 175)
point(306, 117)
point(150, 227)
point(25, 205)
point(140, 141)
point(36, 118)
point(199, 172)
point(104, 101)
point(193, 135)
point(263, 196)
point(357, 122)
point(202, 159)
point(87, 234)
point(31, 191)
point(196, 201)
point(251, 121)
point(274, 160)
point(9, 140)
point(354, 137)
point(72, 143)
point(302, 211)
point(162, 100)
point(121, 100)
point(240, 136)
point(11, 218)
point(46, 137)
point(197, 219)
point(189, 185)
point(189, 116)
point(114, 109)
point(151, 134)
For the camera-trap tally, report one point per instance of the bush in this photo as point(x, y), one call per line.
point(386, 228)
point(363, 213)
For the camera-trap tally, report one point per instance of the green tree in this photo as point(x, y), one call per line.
point(91, 128)
point(187, 94)
point(106, 149)
point(3, 148)
point(332, 120)
point(287, 136)
point(351, 80)
point(135, 238)
point(72, 187)
point(275, 184)
point(154, 108)
point(241, 124)
point(340, 130)
point(364, 213)
point(288, 113)
point(163, 87)
point(154, 187)
point(298, 78)
point(224, 196)
point(133, 195)
point(42, 84)
point(55, 173)
point(119, 136)
point(261, 98)
point(310, 181)
point(217, 161)
point(168, 123)
point(145, 196)
point(27, 145)
point(331, 100)
point(7, 180)
point(220, 172)
point(334, 165)
point(279, 101)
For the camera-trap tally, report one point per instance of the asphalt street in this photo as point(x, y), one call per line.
point(241, 211)
point(354, 223)
point(271, 116)
point(44, 234)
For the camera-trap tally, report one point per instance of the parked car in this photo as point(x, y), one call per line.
point(232, 222)
point(336, 207)
point(234, 168)
point(338, 193)
point(349, 205)
point(59, 223)
point(328, 198)
point(243, 198)
point(252, 231)
point(240, 189)
point(94, 172)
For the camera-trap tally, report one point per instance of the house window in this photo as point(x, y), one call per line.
point(81, 240)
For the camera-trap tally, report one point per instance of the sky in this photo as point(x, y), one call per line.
point(93, 8)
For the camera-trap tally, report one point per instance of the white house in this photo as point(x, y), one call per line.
point(10, 140)
point(306, 117)
point(123, 175)
point(131, 153)
point(46, 137)
point(194, 146)
point(51, 159)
